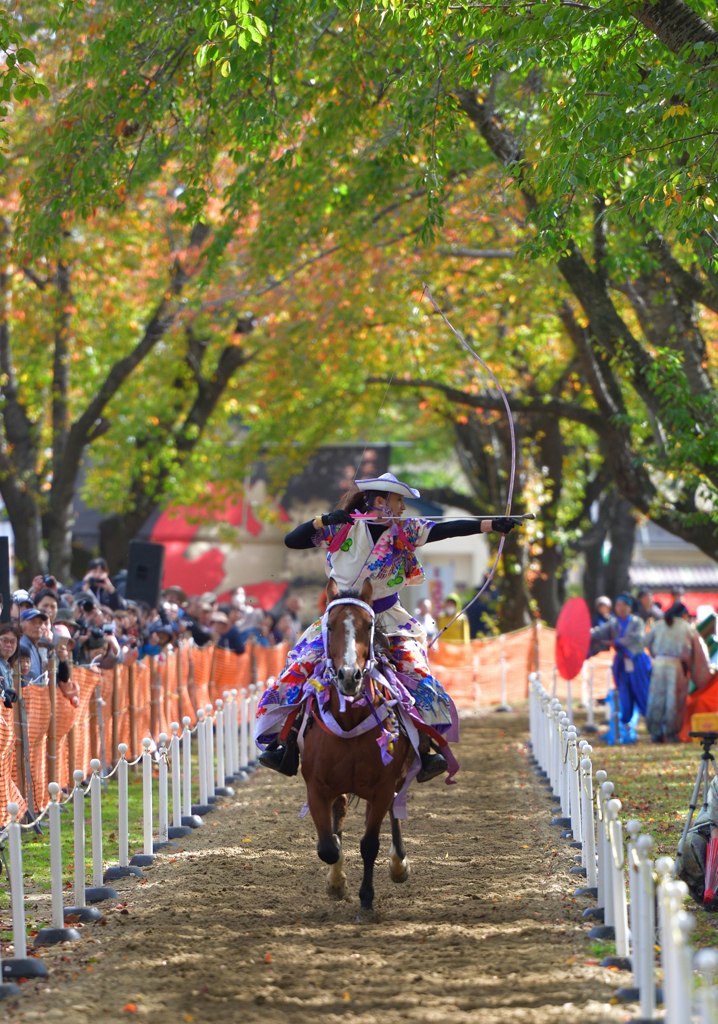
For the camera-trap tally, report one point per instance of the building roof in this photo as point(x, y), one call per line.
point(662, 577)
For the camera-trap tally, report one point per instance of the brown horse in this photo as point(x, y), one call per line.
point(334, 767)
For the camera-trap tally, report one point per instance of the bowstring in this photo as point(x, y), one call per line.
point(381, 407)
point(477, 357)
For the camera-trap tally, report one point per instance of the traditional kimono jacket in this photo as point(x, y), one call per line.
point(391, 564)
point(674, 649)
point(631, 666)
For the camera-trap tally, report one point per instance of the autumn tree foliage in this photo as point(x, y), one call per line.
point(290, 175)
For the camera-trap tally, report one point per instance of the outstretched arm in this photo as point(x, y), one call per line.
point(302, 537)
point(467, 527)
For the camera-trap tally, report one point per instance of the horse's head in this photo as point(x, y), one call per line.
point(349, 638)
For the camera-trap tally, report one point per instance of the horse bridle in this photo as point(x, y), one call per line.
point(325, 619)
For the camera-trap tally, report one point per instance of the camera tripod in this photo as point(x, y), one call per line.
point(703, 778)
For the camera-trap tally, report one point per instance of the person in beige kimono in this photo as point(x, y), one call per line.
point(678, 651)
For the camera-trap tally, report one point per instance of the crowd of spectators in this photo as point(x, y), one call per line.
point(93, 623)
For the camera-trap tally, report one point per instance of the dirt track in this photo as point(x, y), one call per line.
point(237, 927)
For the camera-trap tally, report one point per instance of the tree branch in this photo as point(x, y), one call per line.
point(485, 400)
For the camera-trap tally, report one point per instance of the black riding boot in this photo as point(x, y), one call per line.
point(284, 759)
point(431, 764)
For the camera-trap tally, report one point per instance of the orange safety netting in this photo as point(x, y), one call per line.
point(471, 673)
point(165, 689)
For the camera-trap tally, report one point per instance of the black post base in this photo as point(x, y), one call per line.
point(178, 831)
point(576, 845)
point(143, 860)
point(561, 822)
point(503, 708)
point(578, 871)
point(26, 967)
point(211, 799)
point(623, 963)
point(224, 791)
point(85, 914)
point(590, 728)
point(627, 995)
point(9, 990)
point(51, 936)
point(192, 821)
point(567, 834)
point(164, 846)
point(98, 893)
point(587, 890)
point(603, 931)
point(596, 912)
point(115, 872)
point(540, 772)
point(201, 809)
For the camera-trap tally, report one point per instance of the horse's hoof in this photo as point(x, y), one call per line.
point(402, 874)
point(337, 890)
point(399, 868)
point(367, 915)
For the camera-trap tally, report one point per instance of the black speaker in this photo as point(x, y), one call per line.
point(145, 572)
point(5, 578)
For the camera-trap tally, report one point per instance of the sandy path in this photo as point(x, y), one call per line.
point(237, 927)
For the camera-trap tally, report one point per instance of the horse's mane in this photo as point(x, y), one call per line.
point(381, 644)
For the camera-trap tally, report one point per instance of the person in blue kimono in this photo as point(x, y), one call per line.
point(625, 633)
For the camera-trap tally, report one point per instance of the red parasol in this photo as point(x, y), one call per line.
point(573, 637)
point(711, 872)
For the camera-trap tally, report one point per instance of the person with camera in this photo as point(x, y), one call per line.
point(34, 640)
point(97, 582)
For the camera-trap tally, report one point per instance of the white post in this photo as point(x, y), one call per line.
point(647, 929)
point(78, 808)
point(234, 732)
point(176, 777)
point(635, 892)
point(209, 750)
point(96, 812)
point(589, 835)
point(554, 682)
point(19, 938)
point(123, 825)
point(563, 765)
point(201, 758)
point(147, 798)
point(605, 857)
point(219, 718)
point(705, 962)
point(244, 712)
point(574, 779)
point(590, 724)
point(618, 880)
point(58, 919)
point(187, 766)
point(228, 748)
point(569, 702)
point(163, 792)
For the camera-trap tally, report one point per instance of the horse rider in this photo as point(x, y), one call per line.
point(376, 543)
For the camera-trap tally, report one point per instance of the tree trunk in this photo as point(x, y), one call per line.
point(623, 535)
point(26, 523)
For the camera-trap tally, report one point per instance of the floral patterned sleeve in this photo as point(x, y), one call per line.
point(417, 531)
point(323, 538)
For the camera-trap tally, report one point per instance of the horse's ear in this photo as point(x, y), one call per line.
point(366, 592)
point(332, 591)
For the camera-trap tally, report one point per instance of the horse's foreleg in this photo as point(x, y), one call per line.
point(339, 813)
point(329, 847)
point(399, 863)
point(369, 847)
point(336, 879)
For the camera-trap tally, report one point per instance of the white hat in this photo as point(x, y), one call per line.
point(388, 484)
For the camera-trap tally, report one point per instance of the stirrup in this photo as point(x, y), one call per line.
point(431, 766)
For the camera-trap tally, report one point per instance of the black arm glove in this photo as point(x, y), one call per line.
point(504, 524)
point(9, 697)
point(338, 518)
